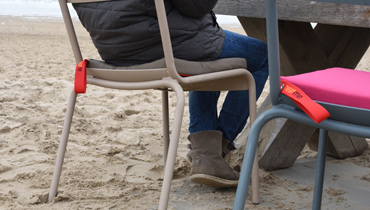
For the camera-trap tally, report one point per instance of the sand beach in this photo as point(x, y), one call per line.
point(114, 154)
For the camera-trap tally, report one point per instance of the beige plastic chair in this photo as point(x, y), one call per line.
point(224, 74)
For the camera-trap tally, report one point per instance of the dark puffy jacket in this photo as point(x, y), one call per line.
point(126, 32)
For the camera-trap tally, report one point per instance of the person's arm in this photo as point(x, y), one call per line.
point(194, 8)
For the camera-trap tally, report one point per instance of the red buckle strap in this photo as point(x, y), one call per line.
point(80, 77)
point(185, 75)
point(314, 110)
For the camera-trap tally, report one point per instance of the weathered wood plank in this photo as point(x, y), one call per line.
point(303, 50)
point(359, 2)
point(300, 10)
point(256, 27)
point(339, 145)
point(344, 45)
point(354, 44)
point(300, 50)
point(286, 147)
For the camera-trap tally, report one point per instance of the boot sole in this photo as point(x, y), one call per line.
point(212, 181)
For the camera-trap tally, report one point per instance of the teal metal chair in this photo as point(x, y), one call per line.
point(352, 120)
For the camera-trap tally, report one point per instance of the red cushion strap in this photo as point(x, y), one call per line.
point(80, 77)
point(185, 75)
point(314, 110)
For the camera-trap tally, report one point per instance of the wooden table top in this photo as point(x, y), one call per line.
point(300, 10)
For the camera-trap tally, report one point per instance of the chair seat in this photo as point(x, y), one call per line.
point(214, 77)
point(156, 69)
point(340, 86)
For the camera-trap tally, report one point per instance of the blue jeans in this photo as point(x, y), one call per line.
point(235, 109)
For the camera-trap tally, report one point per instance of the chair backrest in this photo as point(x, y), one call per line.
point(167, 67)
point(273, 50)
point(170, 69)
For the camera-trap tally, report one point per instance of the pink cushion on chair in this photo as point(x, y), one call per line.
point(335, 85)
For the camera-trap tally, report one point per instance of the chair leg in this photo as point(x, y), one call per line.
point(247, 166)
point(174, 140)
point(253, 116)
point(320, 169)
point(166, 138)
point(250, 154)
point(62, 147)
point(255, 182)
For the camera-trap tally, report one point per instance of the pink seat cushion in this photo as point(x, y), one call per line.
point(335, 85)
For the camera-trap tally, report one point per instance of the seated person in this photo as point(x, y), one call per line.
point(126, 32)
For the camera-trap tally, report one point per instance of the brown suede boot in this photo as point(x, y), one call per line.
point(227, 147)
point(208, 166)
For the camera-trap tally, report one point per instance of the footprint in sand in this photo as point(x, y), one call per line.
point(4, 166)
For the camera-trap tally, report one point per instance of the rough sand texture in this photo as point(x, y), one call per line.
point(114, 153)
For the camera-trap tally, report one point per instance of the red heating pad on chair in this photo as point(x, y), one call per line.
point(80, 77)
point(314, 110)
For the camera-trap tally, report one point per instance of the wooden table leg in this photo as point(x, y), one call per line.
point(344, 46)
point(304, 49)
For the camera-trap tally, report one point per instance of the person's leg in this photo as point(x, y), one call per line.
point(235, 109)
point(208, 166)
point(203, 110)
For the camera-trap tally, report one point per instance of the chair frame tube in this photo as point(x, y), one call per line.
point(320, 169)
point(71, 33)
point(281, 111)
point(62, 146)
point(273, 50)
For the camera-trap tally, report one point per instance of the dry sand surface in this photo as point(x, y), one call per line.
point(114, 153)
